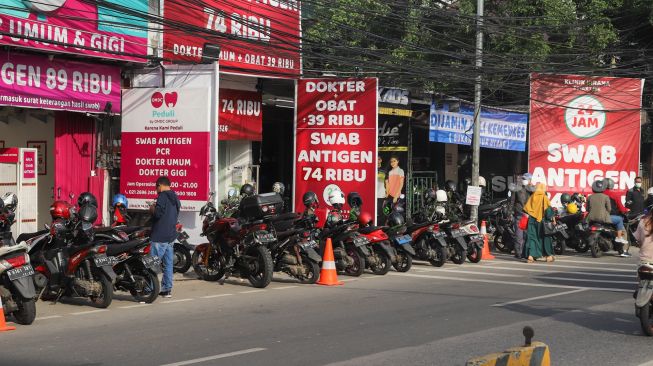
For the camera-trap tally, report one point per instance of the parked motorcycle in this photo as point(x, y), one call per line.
point(644, 298)
point(602, 239)
point(429, 242)
point(381, 251)
point(68, 262)
point(238, 246)
point(465, 241)
point(17, 290)
point(350, 248)
point(296, 251)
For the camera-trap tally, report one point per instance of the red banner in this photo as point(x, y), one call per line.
point(584, 128)
point(254, 37)
point(335, 140)
point(241, 115)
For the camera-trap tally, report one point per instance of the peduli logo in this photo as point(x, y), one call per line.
point(157, 100)
point(170, 99)
point(585, 116)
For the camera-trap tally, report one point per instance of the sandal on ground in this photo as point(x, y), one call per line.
point(530, 260)
point(550, 258)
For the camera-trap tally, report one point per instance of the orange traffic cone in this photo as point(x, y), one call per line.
point(3, 324)
point(328, 274)
point(485, 254)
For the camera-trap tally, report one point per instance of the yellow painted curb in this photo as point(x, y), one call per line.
point(537, 354)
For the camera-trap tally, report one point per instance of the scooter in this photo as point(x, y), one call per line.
point(644, 298)
point(602, 239)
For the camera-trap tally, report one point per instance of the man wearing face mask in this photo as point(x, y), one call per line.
point(519, 200)
point(635, 198)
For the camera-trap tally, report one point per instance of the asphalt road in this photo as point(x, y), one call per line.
point(580, 306)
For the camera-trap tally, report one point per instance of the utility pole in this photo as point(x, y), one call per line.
point(476, 138)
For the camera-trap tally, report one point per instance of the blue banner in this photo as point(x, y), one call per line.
point(499, 129)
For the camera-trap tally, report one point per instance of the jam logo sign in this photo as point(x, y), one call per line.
point(170, 99)
point(585, 116)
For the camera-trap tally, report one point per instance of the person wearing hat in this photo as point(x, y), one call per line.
point(519, 199)
point(599, 207)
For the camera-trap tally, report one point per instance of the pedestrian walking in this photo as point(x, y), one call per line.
point(644, 236)
point(519, 200)
point(538, 208)
point(165, 214)
point(635, 198)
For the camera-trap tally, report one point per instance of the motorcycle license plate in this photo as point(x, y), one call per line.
point(308, 244)
point(477, 238)
point(151, 262)
point(20, 272)
point(360, 241)
point(404, 239)
point(102, 260)
point(266, 238)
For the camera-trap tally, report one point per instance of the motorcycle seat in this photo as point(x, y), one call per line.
point(369, 229)
point(603, 225)
point(414, 227)
point(26, 236)
point(117, 248)
point(4, 250)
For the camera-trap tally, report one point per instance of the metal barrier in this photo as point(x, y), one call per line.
point(419, 182)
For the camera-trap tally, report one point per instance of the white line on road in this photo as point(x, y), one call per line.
point(89, 312)
point(134, 306)
point(284, 287)
point(650, 363)
point(216, 357)
point(509, 282)
point(633, 265)
point(48, 317)
point(214, 296)
point(349, 280)
point(540, 297)
point(531, 269)
point(174, 301)
point(566, 266)
point(251, 291)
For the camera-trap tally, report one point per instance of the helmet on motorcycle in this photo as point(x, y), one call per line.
point(310, 200)
point(609, 183)
point(598, 186)
point(572, 208)
point(88, 213)
point(441, 196)
point(120, 200)
point(86, 198)
point(60, 210)
point(10, 201)
point(481, 182)
point(565, 198)
point(450, 186)
point(232, 192)
point(278, 187)
point(429, 195)
point(247, 190)
point(395, 220)
point(354, 200)
point(650, 191)
point(336, 198)
point(365, 218)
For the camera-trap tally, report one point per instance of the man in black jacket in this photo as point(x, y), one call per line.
point(635, 198)
point(519, 199)
point(165, 214)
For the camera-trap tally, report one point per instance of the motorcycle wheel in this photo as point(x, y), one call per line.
point(146, 287)
point(104, 300)
point(501, 245)
point(594, 246)
point(181, 259)
point(210, 273)
point(559, 246)
point(441, 253)
point(259, 271)
point(404, 263)
point(26, 312)
point(356, 269)
point(311, 271)
point(645, 320)
point(582, 246)
point(384, 264)
point(474, 255)
point(459, 256)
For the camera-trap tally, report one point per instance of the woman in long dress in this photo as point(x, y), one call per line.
point(538, 208)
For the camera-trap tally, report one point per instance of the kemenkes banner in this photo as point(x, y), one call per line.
point(500, 129)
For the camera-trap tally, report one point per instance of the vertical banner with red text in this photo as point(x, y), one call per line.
point(582, 129)
point(336, 139)
point(165, 132)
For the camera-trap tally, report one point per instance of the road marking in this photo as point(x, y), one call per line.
point(509, 282)
point(134, 306)
point(89, 312)
point(174, 301)
point(214, 296)
point(48, 317)
point(581, 267)
point(474, 273)
point(650, 363)
point(634, 265)
point(283, 288)
point(469, 268)
point(216, 357)
point(540, 297)
point(349, 280)
point(251, 291)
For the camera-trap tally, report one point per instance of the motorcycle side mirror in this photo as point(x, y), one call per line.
point(47, 227)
